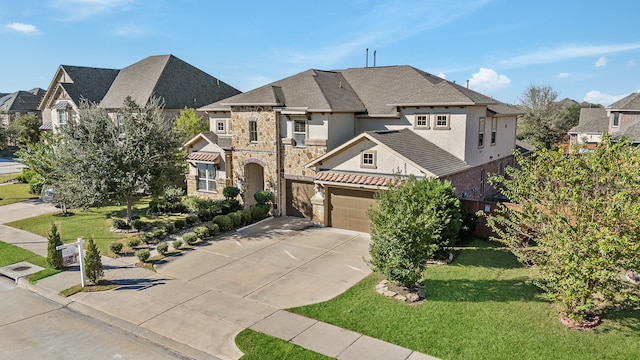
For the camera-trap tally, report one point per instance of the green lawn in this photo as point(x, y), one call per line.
point(13, 193)
point(479, 307)
point(93, 222)
point(11, 254)
point(7, 177)
point(256, 345)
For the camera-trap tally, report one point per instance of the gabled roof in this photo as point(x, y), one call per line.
point(524, 147)
point(410, 146)
point(632, 133)
point(592, 120)
point(172, 80)
point(629, 102)
point(376, 91)
point(22, 100)
point(223, 142)
point(80, 83)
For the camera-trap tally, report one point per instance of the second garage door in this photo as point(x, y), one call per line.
point(348, 209)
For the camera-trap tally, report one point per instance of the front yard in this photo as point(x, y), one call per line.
point(13, 193)
point(479, 307)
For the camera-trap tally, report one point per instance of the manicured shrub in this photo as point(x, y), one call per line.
point(213, 228)
point(201, 231)
point(230, 192)
point(147, 238)
point(177, 244)
point(191, 204)
point(235, 218)
point(263, 197)
point(224, 222)
point(204, 215)
point(173, 195)
point(260, 211)
point(116, 247)
point(143, 255)
point(177, 208)
point(169, 228)
point(133, 242)
point(93, 262)
point(54, 257)
point(246, 216)
point(162, 248)
point(191, 219)
point(138, 224)
point(190, 238)
point(119, 223)
point(159, 234)
point(180, 223)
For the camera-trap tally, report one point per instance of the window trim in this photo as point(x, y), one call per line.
point(208, 179)
point(481, 128)
point(494, 130)
point(374, 159)
point(447, 125)
point(427, 126)
point(253, 134)
point(616, 119)
point(224, 126)
point(294, 132)
point(61, 112)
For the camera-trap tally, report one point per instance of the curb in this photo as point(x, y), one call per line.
point(175, 348)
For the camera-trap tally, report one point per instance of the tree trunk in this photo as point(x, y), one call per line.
point(129, 209)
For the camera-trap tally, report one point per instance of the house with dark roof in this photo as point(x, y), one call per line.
point(324, 141)
point(593, 123)
point(176, 83)
point(20, 103)
point(624, 118)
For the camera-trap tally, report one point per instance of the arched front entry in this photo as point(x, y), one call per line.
point(254, 173)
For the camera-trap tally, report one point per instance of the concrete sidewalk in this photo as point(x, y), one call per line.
point(200, 300)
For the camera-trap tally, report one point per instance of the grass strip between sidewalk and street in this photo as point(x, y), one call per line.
point(11, 254)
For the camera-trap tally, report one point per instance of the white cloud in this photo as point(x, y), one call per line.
point(597, 97)
point(488, 79)
point(442, 75)
point(77, 10)
point(546, 56)
point(23, 28)
point(602, 61)
point(632, 63)
point(564, 75)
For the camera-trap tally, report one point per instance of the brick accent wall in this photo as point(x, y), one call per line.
point(473, 185)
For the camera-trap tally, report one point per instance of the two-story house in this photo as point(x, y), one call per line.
point(324, 141)
point(624, 118)
point(19, 103)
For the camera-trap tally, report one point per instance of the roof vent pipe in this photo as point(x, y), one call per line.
point(374, 57)
point(366, 64)
point(467, 83)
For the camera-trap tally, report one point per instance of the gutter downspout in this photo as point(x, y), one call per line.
point(278, 211)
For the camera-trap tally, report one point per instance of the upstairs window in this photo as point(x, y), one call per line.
point(206, 177)
point(120, 119)
point(368, 159)
point(62, 118)
point(494, 130)
point(442, 121)
point(481, 132)
point(422, 121)
point(616, 119)
point(220, 128)
point(299, 132)
point(253, 131)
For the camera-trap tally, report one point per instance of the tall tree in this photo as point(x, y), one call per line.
point(578, 221)
point(25, 128)
point(54, 257)
point(539, 124)
point(189, 124)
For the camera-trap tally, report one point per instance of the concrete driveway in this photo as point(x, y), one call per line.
point(206, 296)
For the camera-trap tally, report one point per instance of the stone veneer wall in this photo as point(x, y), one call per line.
point(192, 188)
point(295, 158)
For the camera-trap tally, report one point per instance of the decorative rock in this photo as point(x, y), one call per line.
point(382, 290)
point(400, 297)
point(389, 293)
point(421, 293)
point(412, 297)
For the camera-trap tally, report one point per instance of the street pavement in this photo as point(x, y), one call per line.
point(8, 166)
point(199, 300)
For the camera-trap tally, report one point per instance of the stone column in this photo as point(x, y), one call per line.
point(317, 203)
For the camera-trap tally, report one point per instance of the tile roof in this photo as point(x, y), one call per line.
point(204, 156)
point(353, 179)
point(592, 120)
point(372, 90)
point(629, 102)
point(176, 82)
point(420, 151)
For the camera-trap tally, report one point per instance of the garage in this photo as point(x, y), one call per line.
point(348, 208)
point(298, 198)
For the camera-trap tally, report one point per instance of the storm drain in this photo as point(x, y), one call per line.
point(19, 270)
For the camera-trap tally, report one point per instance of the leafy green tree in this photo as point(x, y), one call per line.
point(54, 257)
point(415, 219)
point(577, 221)
point(25, 128)
point(3, 137)
point(93, 262)
point(539, 123)
point(189, 124)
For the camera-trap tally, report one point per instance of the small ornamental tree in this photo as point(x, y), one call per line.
point(230, 192)
point(577, 220)
point(54, 257)
point(92, 262)
point(414, 220)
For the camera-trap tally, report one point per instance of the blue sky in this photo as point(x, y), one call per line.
point(586, 50)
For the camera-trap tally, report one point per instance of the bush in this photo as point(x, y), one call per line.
point(191, 204)
point(177, 208)
point(205, 215)
point(173, 195)
point(116, 247)
point(230, 192)
point(143, 255)
point(224, 222)
point(235, 218)
point(191, 219)
point(177, 244)
point(201, 231)
point(190, 238)
point(180, 224)
point(133, 242)
point(54, 257)
point(93, 262)
point(169, 228)
point(146, 238)
point(260, 211)
point(246, 216)
point(119, 224)
point(263, 197)
point(158, 234)
point(138, 224)
point(213, 228)
point(162, 248)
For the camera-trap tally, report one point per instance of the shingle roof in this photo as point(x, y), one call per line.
point(176, 82)
point(629, 102)
point(372, 90)
point(420, 151)
point(632, 133)
point(524, 147)
point(88, 82)
point(592, 120)
point(21, 101)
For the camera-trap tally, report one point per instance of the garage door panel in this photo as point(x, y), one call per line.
point(348, 209)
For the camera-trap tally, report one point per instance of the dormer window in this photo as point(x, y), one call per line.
point(422, 121)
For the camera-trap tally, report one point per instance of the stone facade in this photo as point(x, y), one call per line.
point(192, 188)
point(295, 158)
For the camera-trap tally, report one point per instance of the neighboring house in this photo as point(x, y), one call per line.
point(624, 118)
point(324, 141)
point(594, 122)
point(20, 103)
point(176, 83)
